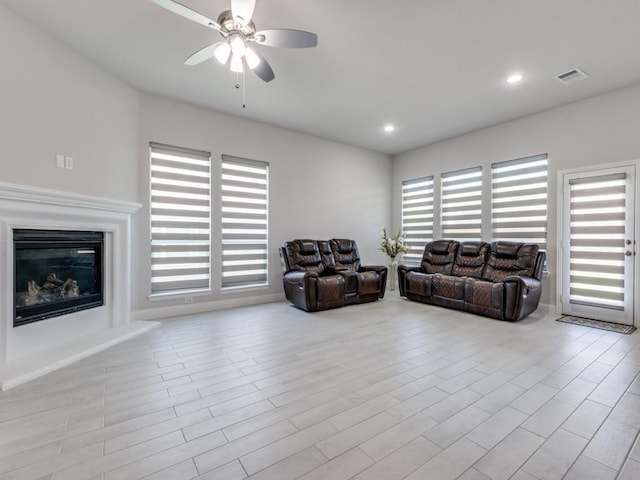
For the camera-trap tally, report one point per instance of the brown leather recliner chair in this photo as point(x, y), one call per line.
point(319, 274)
point(499, 280)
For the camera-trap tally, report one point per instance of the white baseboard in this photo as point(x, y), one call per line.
point(194, 308)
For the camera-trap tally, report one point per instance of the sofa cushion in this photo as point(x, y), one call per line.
point(418, 283)
point(304, 255)
point(330, 288)
point(510, 258)
point(345, 253)
point(438, 256)
point(483, 293)
point(470, 259)
point(448, 286)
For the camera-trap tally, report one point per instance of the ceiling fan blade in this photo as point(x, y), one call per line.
point(187, 13)
point(202, 55)
point(284, 37)
point(263, 69)
point(242, 10)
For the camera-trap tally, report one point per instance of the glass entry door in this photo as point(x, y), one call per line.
point(598, 245)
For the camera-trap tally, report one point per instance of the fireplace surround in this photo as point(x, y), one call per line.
point(35, 348)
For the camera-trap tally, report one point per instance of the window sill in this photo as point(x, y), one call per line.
point(245, 288)
point(157, 297)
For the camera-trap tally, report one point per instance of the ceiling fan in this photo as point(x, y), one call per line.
point(238, 32)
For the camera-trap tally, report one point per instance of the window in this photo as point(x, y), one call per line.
point(461, 202)
point(417, 216)
point(180, 219)
point(519, 200)
point(244, 222)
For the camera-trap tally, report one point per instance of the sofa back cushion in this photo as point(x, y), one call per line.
point(304, 255)
point(510, 258)
point(470, 259)
point(345, 253)
point(439, 256)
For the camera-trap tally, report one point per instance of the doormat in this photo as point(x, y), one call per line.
point(587, 322)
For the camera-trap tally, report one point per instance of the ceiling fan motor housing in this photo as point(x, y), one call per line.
point(228, 26)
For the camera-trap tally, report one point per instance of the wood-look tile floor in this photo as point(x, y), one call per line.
point(386, 390)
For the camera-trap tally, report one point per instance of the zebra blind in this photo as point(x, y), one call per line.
point(461, 203)
point(597, 241)
point(417, 216)
point(519, 200)
point(244, 222)
point(180, 219)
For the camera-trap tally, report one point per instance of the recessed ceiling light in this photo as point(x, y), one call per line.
point(389, 128)
point(515, 78)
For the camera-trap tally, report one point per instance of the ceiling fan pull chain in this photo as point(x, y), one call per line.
point(244, 88)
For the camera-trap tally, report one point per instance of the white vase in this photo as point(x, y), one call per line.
point(392, 273)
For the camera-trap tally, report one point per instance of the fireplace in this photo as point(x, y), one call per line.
point(56, 272)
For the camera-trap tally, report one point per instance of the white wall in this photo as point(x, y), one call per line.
point(597, 131)
point(52, 101)
point(317, 189)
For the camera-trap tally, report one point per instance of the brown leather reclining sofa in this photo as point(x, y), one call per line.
point(499, 280)
point(323, 274)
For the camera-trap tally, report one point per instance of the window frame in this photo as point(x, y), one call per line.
point(417, 214)
point(464, 189)
point(250, 175)
point(194, 168)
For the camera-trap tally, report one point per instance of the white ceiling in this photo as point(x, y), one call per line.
point(434, 68)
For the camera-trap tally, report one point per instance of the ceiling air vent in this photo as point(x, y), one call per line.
point(572, 76)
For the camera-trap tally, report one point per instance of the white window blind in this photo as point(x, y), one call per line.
point(244, 222)
point(180, 219)
point(597, 240)
point(461, 202)
point(417, 216)
point(519, 200)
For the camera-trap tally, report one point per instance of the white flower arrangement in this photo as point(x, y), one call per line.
point(393, 246)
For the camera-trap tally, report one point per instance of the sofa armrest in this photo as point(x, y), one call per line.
point(372, 268)
point(331, 270)
point(382, 271)
point(300, 289)
point(402, 273)
point(522, 295)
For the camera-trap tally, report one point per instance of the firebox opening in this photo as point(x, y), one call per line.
point(56, 272)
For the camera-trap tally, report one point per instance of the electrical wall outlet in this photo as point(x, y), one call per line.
point(68, 163)
point(59, 160)
point(188, 299)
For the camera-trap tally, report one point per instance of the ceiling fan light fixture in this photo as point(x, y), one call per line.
point(222, 53)
point(252, 58)
point(236, 64)
point(238, 31)
point(238, 46)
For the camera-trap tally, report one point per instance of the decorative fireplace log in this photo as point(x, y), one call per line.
point(51, 290)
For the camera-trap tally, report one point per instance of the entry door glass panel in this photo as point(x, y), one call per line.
point(599, 245)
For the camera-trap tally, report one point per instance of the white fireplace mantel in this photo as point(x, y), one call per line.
point(32, 350)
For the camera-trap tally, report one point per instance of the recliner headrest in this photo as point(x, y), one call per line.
point(470, 249)
point(506, 250)
point(344, 245)
point(440, 246)
point(307, 247)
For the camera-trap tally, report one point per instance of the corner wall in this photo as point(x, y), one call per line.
point(596, 131)
point(317, 189)
point(53, 101)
